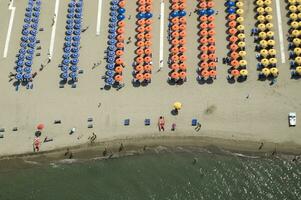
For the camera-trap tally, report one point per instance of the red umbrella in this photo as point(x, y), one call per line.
point(40, 126)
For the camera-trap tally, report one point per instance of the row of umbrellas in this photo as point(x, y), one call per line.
point(236, 38)
point(70, 57)
point(178, 31)
point(266, 38)
point(115, 63)
point(207, 66)
point(28, 41)
point(295, 16)
point(143, 60)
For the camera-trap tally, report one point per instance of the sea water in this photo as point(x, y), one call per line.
point(162, 176)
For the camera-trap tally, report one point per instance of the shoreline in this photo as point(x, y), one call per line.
point(137, 144)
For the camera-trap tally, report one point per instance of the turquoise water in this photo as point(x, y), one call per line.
point(162, 176)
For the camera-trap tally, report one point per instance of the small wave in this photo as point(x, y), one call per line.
point(245, 156)
point(54, 165)
point(67, 161)
point(31, 162)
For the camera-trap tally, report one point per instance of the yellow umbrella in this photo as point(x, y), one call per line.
point(299, 15)
point(240, 11)
point(292, 1)
point(269, 17)
point(297, 51)
point(274, 71)
point(270, 34)
point(240, 19)
point(268, 9)
point(239, 4)
point(243, 72)
point(293, 16)
point(240, 27)
point(265, 62)
point(295, 33)
point(261, 18)
point(266, 71)
point(263, 43)
point(262, 35)
point(272, 52)
point(260, 10)
point(298, 60)
point(241, 36)
point(261, 27)
point(242, 53)
point(259, 2)
point(298, 70)
point(177, 105)
point(299, 8)
point(298, 1)
point(299, 23)
point(243, 63)
point(267, 2)
point(264, 52)
point(294, 24)
point(271, 42)
point(293, 8)
point(296, 41)
point(273, 60)
point(241, 44)
point(269, 25)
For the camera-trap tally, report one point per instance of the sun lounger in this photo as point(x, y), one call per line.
point(147, 122)
point(2, 130)
point(126, 122)
point(90, 125)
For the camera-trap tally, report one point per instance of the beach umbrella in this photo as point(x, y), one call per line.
point(240, 11)
point(177, 105)
point(261, 18)
point(239, 4)
point(175, 66)
point(147, 76)
point(205, 73)
point(209, 11)
point(235, 73)
point(234, 55)
point(298, 70)
point(109, 81)
point(295, 33)
point(28, 63)
point(234, 63)
point(67, 49)
point(240, 19)
point(27, 76)
point(298, 60)
point(269, 17)
point(67, 44)
point(110, 73)
point(261, 26)
point(150, 15)
point(19, 76)
point(274, 71)
point(240, 27)
point(230, 10)
point(174, 75)
point(273, 60)
point(293, 16)
point(139, 76)
point(243, 63)
point(64, 75)
point(243, 72)
point(264, 52)
point(292, 8)
point(297, 51)
point(20, 63)
point(263, 43)
point(270, 34)
point(73, 75)
point(201, 12)
point(262, 35)
point(265, 62)
point(74, 61)
point(120, 17)
point(272, 52)
point(269, 26)
point(27, 69)
point(73, 68)
point(271, 42)
point(182, 75)
point(296, 41)
point(232, 17)
point(241, 44)
point(19, 69)
point(64, 68)
point(148, 68)
point(268, 9)
point(118, 78)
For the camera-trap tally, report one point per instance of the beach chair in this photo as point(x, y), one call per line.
point(126, 122)
point(194, 122)
point(90, 119)
point(147, 122)
point(57, 121)
point(90, 125)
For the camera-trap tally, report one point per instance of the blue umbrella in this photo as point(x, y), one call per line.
point(73, 75)
point(112, 30)
point(76, 38)
point(113, 24)
point(66, 61)
point(113, 19)
point(71, 4)
point(79, 10)
point(64, 68)
point(24, 38)
point(38, 2)
point(76, 32)
point(33, 32)
point(112, 42)
point(77, 21)
point(29, 57)
point(201, 12)
point(20, 63)
point(148, 15)
point(69, 21)
point(28, 14)
point(231, 10)
point(71, 10)
point(68, 32)
point(27, 69)
point(140, 15)
point(69, 26)
point(111, 60)
point(75, 44)
point(32, 38)
point(74, 55)
point(26, 26)
point(23, 44)
point(210, 11)
point(113, 13)
point(121, 10)
point(30, 51)
point(34, 26)
point(19, 76)
point(75, 50)
point(19, 69)
point(174, 14)
point(112, 47)
point(74, 61)
point(22, 51)
point(67, 44)
point(28, 9)
point(32, 45)
point(109, 81)
point(27, 19)
point(78, 15)
point(35, 20)
point(79, 4)
point(64, 75)
point(230, 3)
point(68, 38)
point(67, 50)
point(110, 73)
point(112, 36)
point(28, 63)
point(70, 16)
point(114, 7)
point(21, 57)
point(110, 66)
point(27, 76)
point(114, 2)
point(66, 55)
point(73, 68)
point(77, 26)
point(182, 13)
point(37, 8)
point(120, 17)
point(25, 32)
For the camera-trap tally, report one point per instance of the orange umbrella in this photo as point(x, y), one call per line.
point(174, 58)
point(183, 67)
point(174, 75)
point(175, 7)
point(182, 6)
point(141, 22)
point(140, 36)
point(205, 73)
point(175, 42)
point(211, 25)
point(212, 56)
point(139, 68)
point(147, 59)
point(182, 41)
point(140, 43)
point(203, 4)
point(121, 23)
point(139, 76)
point(175, 50)
point(148, 36)
point(211, 48)
point(204, 56)
point(147, 76)
point(203, 25)
point(175, 34)
point(175, 27)
point(232, 24)
point(182, 75)
point(148, 43)
point(203, 18)
point(204, 65)
point(211, 32)
point(233, 47)
point(182, 20)
point(234, 55)
point(148, 68)
point(232, 16)
point(211, 18)
point(141, 9)
point(182, 49)
point(183, 58)
point(203, 33)
point(233, 38)
point(139, 51)
point(210, 4)
point(148, 51)
point(120, 38)
point(182, 27)
point(203, 40)
point(120, 45)
point(148, 8)
point(183, 33)
point(119, 61)
point(175, 66)
point(234, 63)
point(213, 73)
point(118, 78)
point(139, 59)
point(211, 40)
point(204, 48)
point(141, 2)
point(212, 64)
point(118, 69)
point(140, 29)
point(148, 28)
point(122, 3)
point(175, 20)
point(232, 31)
point(119, 52)
point(148, 22)
point(235, 72)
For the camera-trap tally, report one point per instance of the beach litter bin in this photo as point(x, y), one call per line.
point(147, 122)
point(194, 122)
point(126, 122)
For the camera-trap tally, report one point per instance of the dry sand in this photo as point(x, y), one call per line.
point(261, 117)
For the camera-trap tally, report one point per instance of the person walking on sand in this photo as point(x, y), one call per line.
point(37, 144)
point(161, 123)
point(198, 127)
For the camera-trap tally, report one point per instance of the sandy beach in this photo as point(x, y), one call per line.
point(250, 112)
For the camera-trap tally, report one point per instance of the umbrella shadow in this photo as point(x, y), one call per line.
point(295, 77)
point(202, 81)
point(174, 112)
point(136, 84)
point(241, 79)
point(171, 82)
point(231, 80)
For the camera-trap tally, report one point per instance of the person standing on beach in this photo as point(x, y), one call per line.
point(161, 123)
